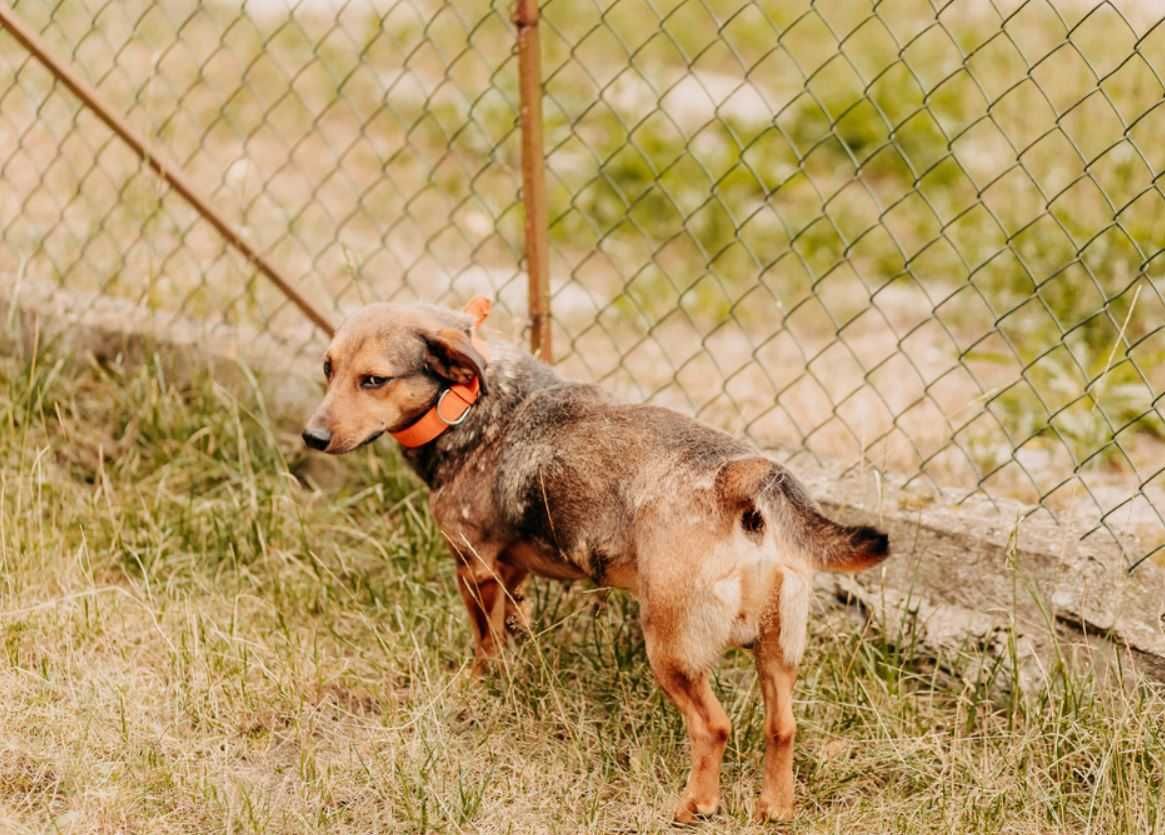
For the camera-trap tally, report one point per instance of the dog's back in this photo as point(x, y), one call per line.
point(579, 474)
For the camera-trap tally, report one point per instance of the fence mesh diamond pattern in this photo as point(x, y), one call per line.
point(922, 237)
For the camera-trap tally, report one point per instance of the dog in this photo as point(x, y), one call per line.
point(529, 473)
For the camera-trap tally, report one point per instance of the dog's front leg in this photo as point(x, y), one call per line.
point(492, 591)
point(517, 609)
point(484, 594)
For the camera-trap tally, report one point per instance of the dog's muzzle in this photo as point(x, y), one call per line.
point(317, 438)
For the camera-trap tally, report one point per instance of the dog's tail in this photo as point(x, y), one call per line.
point(757, 492)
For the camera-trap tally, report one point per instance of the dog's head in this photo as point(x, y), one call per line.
point(386, 366)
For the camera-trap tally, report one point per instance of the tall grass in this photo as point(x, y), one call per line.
point(204, 629)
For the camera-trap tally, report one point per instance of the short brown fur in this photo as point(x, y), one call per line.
point(555, 478)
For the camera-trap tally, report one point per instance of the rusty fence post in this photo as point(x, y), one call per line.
point(534, 176)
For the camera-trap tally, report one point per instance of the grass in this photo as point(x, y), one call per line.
point(908, 257)
point(204, 629)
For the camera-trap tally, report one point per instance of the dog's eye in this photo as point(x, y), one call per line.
point(327, 369)
point(371, 381)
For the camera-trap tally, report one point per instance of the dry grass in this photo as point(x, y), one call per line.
point(205, 630)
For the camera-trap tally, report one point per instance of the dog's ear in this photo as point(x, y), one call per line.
point(450, 355)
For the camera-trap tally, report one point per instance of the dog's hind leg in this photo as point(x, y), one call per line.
point(777, 676)
point(708, 729)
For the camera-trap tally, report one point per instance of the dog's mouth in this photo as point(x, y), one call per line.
point(370, 439)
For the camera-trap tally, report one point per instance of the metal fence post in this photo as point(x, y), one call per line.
point(534, 176)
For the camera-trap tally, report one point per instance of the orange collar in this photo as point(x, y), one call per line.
point(448, 411)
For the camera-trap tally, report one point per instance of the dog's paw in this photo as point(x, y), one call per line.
point(483, 667)
point(518, 625)
point(690, 809)
point(770, 810)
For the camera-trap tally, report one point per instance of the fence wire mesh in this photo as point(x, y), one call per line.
point(923, 237)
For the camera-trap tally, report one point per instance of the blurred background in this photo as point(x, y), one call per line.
point(921, 238)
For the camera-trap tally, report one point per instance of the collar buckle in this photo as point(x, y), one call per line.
point(457, 421)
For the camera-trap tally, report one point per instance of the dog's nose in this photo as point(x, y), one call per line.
point(317, 438)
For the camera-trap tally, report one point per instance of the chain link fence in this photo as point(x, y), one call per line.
point(922, 237)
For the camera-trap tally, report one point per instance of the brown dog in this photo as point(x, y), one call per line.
point(531, 473)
